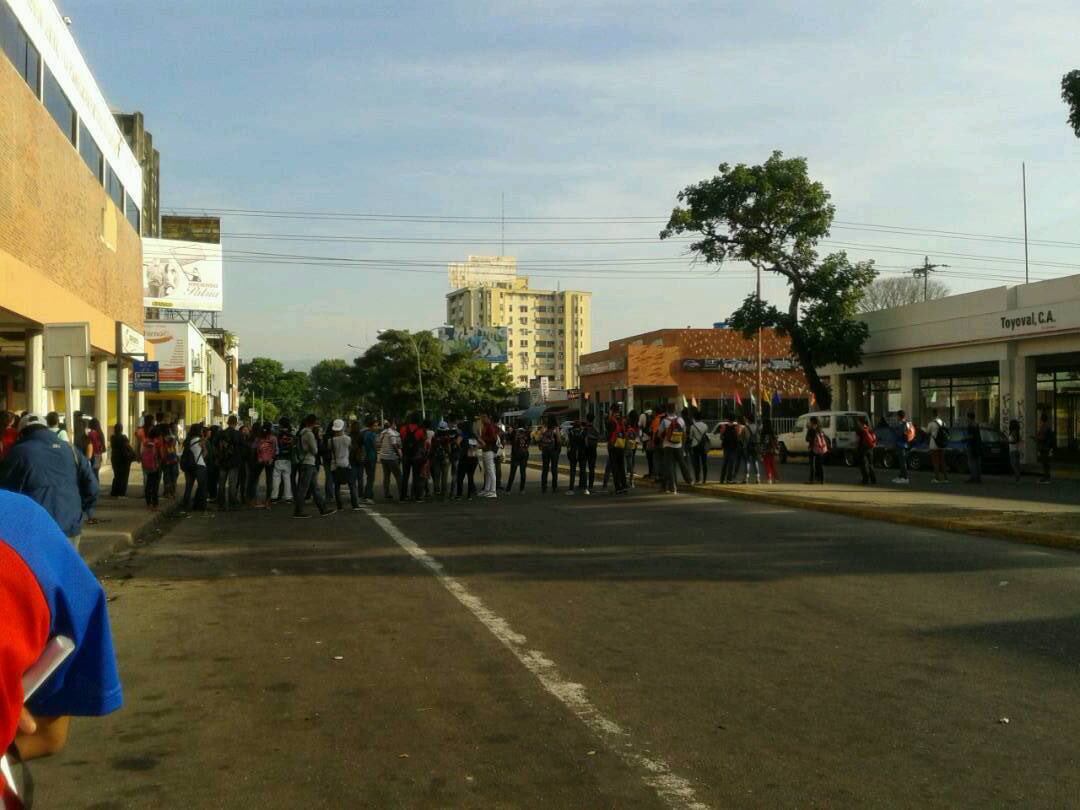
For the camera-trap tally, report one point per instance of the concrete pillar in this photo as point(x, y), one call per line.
point(1026, 399)
point(101, 398)
point(839, 392)
point(909, 393)
point(855, 395)
point(629, 398)
point(37, 400)
point(140, 408)
point(123, 398)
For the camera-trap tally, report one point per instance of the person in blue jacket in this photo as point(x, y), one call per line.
point(47, 469)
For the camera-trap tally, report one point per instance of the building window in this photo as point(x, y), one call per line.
point(56, 102)
point(91, 155)
point(23, 55)
point(114, 188)
point(134, 216)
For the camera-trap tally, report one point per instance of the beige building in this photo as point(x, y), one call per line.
point(547, 331)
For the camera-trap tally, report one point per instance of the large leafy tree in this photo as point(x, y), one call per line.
point(1070, 94)
point(273, 390)
point(331, 388)
point(773, 216)
point(897, 291)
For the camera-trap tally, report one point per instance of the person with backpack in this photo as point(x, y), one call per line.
point(974, 447)
point(616, 450)
point(905, 435)
point(151, 457)
point(729, 444)
point(655, 445)
point(194, 462)
point(122, 455)
point(469, 447)
point(414, 452)
point(770, 450)
point(574, 441)
point(866, 441)
point(371, 459)
point(170, 462)
point(1016, 438)
point(549, 441)
point(698, 439)
point(389, 452)
point(590, 442)
point(1045, 442)
point(632, 435)
point(818, 447)
point(357, 470)
point(228, 458)
point(519, 441)
point(673, 434)
point(939, 441)
point(309, 470)
point(266, 452)
point(440, 460)
point(281, 481)
point(751, 449)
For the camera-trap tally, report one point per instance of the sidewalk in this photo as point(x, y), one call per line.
point(122, 521)
point(953, 507)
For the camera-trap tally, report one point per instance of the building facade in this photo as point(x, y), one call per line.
point(194, 379)
point(70, 215)
point(1004, 353)
point(142, 144)
point(548, 331)
point(717, 368)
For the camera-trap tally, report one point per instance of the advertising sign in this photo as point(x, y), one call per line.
point(131, 341)
point(485, 342)
point(735, 364)
point(182, 275)
point(170, 345)
point(63, 340)
point(144, 375)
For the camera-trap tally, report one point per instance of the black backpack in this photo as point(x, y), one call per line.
point(942, 436)
point(412, 445)
point(187, 460)
point(547, 440)
point(590, 438)
point(226, 456)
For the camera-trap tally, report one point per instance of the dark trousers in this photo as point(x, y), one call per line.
point(901, 462)
point(391, 468)
point(151, 485)
point(617, 465)
point(817, 468)
point(213, 476)
point(699, 455)
point(572, 457)
point(650, 459)
point(344, 476)
point(308, 474)
point(369, 486)
point(170, 474)
point(864, 459)
point(586, 468)
point(549, 461)
point(195, 479)
point(975, 465)
point(121, 473)
point(440, 476)
point(517, 463)
point(498, 471)
point(410, 473)
point(466, 469)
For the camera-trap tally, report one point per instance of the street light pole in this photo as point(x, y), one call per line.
point(419, 375)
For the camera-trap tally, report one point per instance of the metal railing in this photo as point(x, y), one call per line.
point(783, 424)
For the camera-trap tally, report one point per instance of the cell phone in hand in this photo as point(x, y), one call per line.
point(54, 654)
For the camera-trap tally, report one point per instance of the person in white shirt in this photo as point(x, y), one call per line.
point(938, 442)
point(673, 460)
point(193, 462)
point(341, 464)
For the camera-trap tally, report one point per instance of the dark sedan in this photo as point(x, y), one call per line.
point(995, 450)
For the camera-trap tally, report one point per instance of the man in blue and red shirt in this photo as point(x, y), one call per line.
point(46, 590)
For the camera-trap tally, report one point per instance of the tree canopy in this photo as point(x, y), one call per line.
point(898, 291)
point(1070, 94)
point(772, 216)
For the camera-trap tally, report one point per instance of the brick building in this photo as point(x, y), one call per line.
point(710, 366)
point(70, 214)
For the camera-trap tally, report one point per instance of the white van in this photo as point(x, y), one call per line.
point(839, 429)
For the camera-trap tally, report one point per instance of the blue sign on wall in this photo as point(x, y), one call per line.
point(144, 375)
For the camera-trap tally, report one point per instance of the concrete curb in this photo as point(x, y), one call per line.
point(754, 493)
point(98, 545)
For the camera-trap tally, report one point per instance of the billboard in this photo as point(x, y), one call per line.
point(737, 364)
point(170, 347)
point(484, 342)
point(182, 275)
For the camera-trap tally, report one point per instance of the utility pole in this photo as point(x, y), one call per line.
point(1023, 181)
point(759, 404)
point(502, 220)
point(925, 272)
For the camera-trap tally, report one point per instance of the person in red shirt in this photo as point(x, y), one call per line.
point(8, 432)
point(616, 440)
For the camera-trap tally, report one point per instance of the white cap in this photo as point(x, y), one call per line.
point(28, 420)
point(339, 424)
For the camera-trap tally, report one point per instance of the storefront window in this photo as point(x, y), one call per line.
point(882, 397)
point(1059, 396)
point(953, 398)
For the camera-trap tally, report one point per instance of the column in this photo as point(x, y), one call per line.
point(629, 397)
point(1025, 404)
point(140, 407)
point(123, 398)
point(839, 392)
point(854, 394)
point(909, 392)
point(101, 397)
point(36, 394)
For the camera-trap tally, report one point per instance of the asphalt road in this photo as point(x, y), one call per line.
point(556, 652)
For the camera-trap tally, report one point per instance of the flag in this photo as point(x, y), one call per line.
point(738, 400)
point(684, 402)
point(693, 401)
point(813, 399)
point(776, 398)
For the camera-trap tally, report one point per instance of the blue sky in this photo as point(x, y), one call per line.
point(912, 114)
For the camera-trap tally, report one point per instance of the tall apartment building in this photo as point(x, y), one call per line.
point(142, 144)
point(547, 330)
point(70, 217)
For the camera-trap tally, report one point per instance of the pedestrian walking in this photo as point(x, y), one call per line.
point(309, 470)
point(228, 458)
point(866, 441)
point(195, 464)
point(818, 447)
point(281, 481)
point(489, 442)
point(673, 433)
point(905, 435)
point(1015, 440)
point(122, 454)
point(52, 473)
point(974, 449)
point(520, 441)
point(939, 442)
point(389, 453)
point(549, 441)
point(698, 438)
point(1045, 443)
point(265, 449)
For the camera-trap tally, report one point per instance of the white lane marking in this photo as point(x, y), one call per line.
point(673, 789)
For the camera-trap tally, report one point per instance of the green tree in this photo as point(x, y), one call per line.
point(274, 391)
point(331, 387)
point(772, 216)
point(1070, 94)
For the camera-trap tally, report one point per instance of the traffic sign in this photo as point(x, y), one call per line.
point(144, 375)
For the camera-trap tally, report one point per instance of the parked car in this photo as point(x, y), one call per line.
point(995, 451)
point(716, 437)
point(839, 428)
point(885, 451)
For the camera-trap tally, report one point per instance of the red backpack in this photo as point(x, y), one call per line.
point(149, 456)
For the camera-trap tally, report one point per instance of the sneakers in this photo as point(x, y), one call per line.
point(569, 492)
point(301, 515)
point(328, 513)
point(587, 492)
point(358, 509)
point(901, 481)
point(488, 495)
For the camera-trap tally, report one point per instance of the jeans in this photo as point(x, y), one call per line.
point(440, 476)
point(308, 474)
point(731, 466)
point(357, 474)
point(350, 480)
point(572, 457)
point(489, 473)
point(901, 462)
point(864, 460)
point(193, 477)
point(753, 465)
point(975, 465)
point(498, 471)
point(674, 461)
point(699, 454)
point(282, 478)
point(586, 468)
point(650, 459)
point(817, 468)
point(517, 463)
point(170, 473)
point(151, 485)
point(391, 468)
point(228, 484)
point(328, 480)
point(121, 471)
point(257, 472)
point(617, 465)
point(549, 462)
point(369, 487)
point(466, 469)
point(631, 460)
point(1014, 462)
